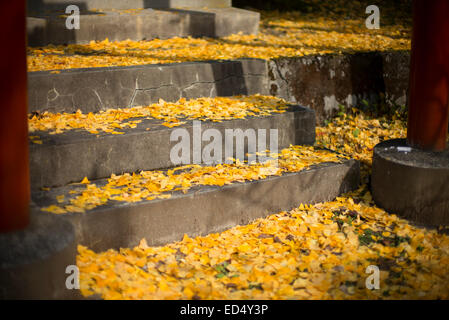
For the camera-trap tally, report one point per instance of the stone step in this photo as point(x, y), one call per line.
point(142, 24)
point(322, 83)
point(95, 89)
point(72, 155)
point(202, 209)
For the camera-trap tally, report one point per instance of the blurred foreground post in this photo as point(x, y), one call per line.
point(14, 171)
point(429, 76)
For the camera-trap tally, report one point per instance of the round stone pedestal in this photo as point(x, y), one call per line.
point(411, 183)
point(33, 261)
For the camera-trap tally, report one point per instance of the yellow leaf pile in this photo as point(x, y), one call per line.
point(214, 109)
point(356, 134)
point(316, 251)
point(149, 185)
point(293, 34)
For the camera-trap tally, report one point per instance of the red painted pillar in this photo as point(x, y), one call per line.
point(429, 76)
point(14, 171)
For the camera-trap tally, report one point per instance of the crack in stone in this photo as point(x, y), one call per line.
point(282, 78)
point(187, 87)
point(99, 98)
point(244, 76)
point(55, 92)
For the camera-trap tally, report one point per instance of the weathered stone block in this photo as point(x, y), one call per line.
point(92, 90)
point(325, 82)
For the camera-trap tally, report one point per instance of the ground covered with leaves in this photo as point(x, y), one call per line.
point(337, 27)
point(318, 251)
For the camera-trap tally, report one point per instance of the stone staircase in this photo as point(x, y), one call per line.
point(63, 160)
point(66, 158)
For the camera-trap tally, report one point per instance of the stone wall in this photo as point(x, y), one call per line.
point(323, 83)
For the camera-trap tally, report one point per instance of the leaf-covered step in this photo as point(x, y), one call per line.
point(140, 25)
point(282, 34)
point(74, 146)
point(163, 205)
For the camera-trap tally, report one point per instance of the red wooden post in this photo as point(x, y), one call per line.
point(429, 76)
point(14, 171)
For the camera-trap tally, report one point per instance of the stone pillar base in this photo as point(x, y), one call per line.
point(411, 183)
point(33, 261)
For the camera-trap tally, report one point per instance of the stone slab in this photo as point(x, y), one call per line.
point(203, 210)
point(412, 184)
point(48, 6)
point(71, 156)
point(33, 262)
point(95, 89)
point(146, 24)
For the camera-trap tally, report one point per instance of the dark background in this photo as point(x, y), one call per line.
point(391, 11)
point(317, 5)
